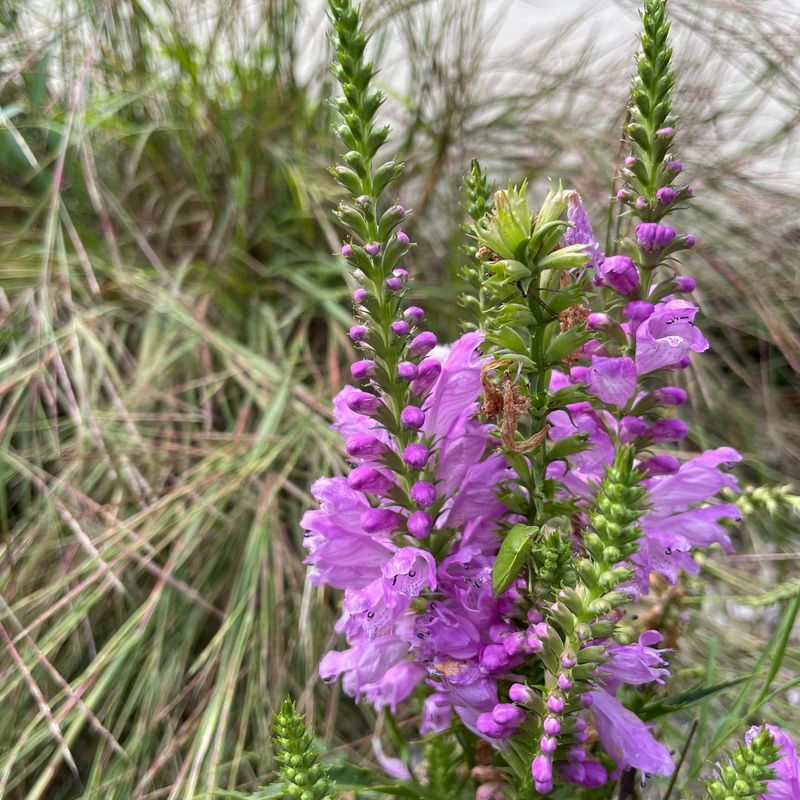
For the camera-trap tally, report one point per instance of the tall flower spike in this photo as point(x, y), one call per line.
point(302, 775)
point(651, 168)
point(748, 769)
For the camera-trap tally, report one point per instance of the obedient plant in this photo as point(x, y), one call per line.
point(514, 493)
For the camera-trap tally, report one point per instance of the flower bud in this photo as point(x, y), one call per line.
point(414, 314)
point(358, 332)
point(359, 295)
point(407, 370)
point(641, 203)
point(638, 310)
point(508, 715)
point(691, 240)
point(362, 369)
point(542, 769)
point(347, 251)
point(369, 480)
point(402, 237)
point(660, 465)
point(667, 430)
point(684, 283)
point(400, 273)
point(423, 493)
point(653, 237)
point(394, 284)
point(551, 726)
point(568, 661)
point(363, 403)
point(631, 427)
point(548, 744)
point(488, 727)
point(674, 165)
point(565, 683)
point(670, 396)
point(493, 658)
point(630, 161)
point(372, 249)
point(422, 344)
point(400, 327)
point(664, 132)
point(419, 524)
point(520, 693)
point(620, 273)
point(416, 456)
point(380, 520)
point(665, 195)
point(412, 417)
point(555, 703)
point(362, 445)
point(580, 724)
point(598, 321)
point(428, 374)
point(586, 700)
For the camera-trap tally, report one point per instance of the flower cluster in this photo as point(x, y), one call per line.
point(511, 494)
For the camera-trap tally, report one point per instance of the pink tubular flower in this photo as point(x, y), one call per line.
point(626, 738)
point(409, 571)
point(613, 380)
point(668, 335)
point(653, 237)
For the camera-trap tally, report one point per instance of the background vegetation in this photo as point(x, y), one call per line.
point(172, 329)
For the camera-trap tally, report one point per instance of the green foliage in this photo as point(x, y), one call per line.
point(302, 775)
point(745, 773)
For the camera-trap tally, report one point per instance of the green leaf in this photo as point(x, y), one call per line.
point(512, 555)
point(677, 702)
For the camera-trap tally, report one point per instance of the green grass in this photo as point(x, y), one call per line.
point(173, 327)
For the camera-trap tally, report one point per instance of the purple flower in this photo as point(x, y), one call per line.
point(359, 295)
point(419, 524)
point(613, 380)
point(370, 480)
point(667, 430)
point(665, 195)
point(381, 520)
point(362, 445)
point(347, 251)
point(635, 664)
point(585, 772)
point(416, 456)
point(358, 332)
point(414, 314)
point(422, 344)
point(542, 772)
point(674, 165)
point(394, 284)
point(580, 230)
point(363, 664)
point(423, 493)
point(620, 273)
point(684, 283)
point(364, 403)
point(626, 738)
point(508, 715)
point(409, 571)
point(400, 327)
point(786, 784)
point(670, 396)
point(362, 369)
point(520, 693)
point(667, 336)
point(437, 713)
point(427, 375)
point(663, 464)
point(407, 370)
point(412, 417)
point(653, 237)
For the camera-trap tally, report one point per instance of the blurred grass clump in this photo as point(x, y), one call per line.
point(173, 328)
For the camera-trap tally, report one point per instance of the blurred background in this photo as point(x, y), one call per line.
point(172, 328)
